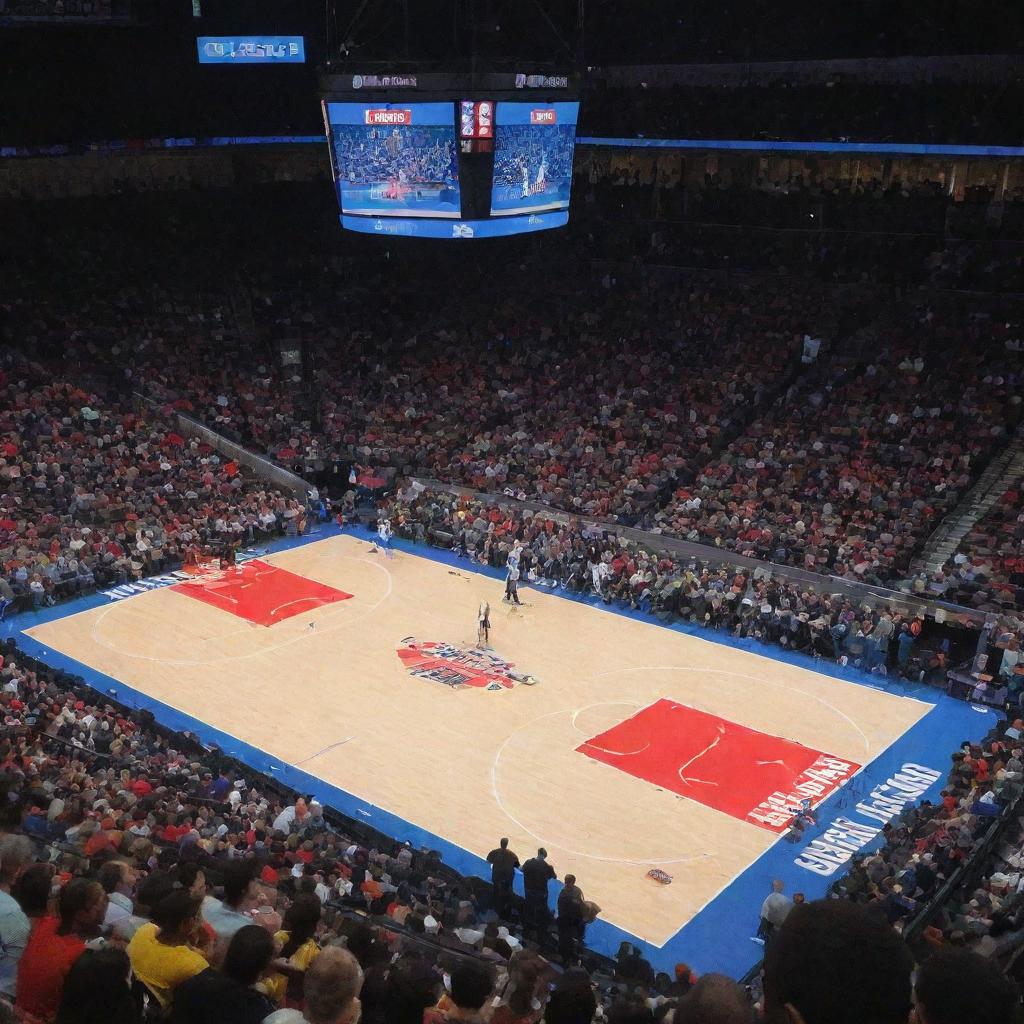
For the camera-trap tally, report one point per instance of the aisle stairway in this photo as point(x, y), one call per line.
point(1006, 469)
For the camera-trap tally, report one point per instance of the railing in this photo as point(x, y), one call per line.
point(264, 468)
point(681, 550)
point(973, 864)
point(994, 474)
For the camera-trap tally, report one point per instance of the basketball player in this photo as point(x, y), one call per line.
point(483, 624)
point(515, 553)
point(384, 536)
point(512, 583)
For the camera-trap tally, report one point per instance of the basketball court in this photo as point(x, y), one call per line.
point(660, 765)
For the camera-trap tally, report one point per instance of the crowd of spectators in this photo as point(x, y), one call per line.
point(116, 835)
point(948, 842)
point(601, 419)
point(595, 562)
point(674, 403)
point(96, 495)
point(926, 844)
point(144, 877)
point(136, 830)
point(852, 468)
point(987, 569)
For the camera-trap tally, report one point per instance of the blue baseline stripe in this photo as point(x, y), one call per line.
point(717, 938)
point(906, 148)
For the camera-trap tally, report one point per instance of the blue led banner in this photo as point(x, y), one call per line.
point(251, 49)
point(408, 228)
point(760, 145)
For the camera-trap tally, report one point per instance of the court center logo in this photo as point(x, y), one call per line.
point(458, 666)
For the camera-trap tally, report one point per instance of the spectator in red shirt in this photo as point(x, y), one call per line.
point(141, 787)
point(55, 944)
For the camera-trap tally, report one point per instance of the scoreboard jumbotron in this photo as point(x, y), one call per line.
point(431, 156)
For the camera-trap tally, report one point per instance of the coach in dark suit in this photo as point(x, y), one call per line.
point(503, 872)
point(537, 872)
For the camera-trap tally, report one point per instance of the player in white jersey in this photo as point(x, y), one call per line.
point(483, 624)
point(512, 584)
point(384, 533)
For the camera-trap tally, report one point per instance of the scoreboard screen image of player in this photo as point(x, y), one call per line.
point(532, 157)
point(395, 159)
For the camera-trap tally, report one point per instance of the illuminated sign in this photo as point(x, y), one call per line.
point(476, 119)
point(251, 49)
point(383, 81)
point(388, 116)
point(542, 82)
point(464, 229)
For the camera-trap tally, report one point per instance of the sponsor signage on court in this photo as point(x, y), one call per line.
point(458, 666)
point(845, 836)
point(814, 783)
point(170, 579)
point(753, 776)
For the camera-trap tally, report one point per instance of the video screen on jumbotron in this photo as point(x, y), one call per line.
point(533, 157)
point(395, 159)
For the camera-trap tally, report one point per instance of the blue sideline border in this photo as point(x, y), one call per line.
point(717, 938)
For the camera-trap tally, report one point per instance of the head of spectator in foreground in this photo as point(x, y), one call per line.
point(151, 890)
point(572, 1000)
point(16, 853)
point(412, 988)
point(715, 999)
point(956, 985)
point(249, 954)
point(471, 985)
point(81, 908)
point(331, 987)
point(835, 962)
point(32, 889)
point(177, 916)
point(117, 876)
point(630, 1013)
point(239, 878)
point(301, 921)
point(96, 990)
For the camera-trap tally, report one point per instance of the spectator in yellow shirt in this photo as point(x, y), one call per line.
point(298, 949)
point(161, 954)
